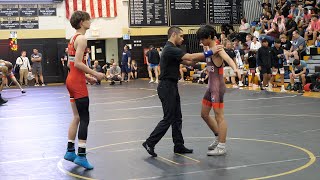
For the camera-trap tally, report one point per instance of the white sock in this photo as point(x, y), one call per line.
point(222, 145)
point(282, 86)
point(82, 145)
point(72, 141)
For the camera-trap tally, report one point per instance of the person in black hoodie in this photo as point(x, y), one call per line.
point(264, 62)
point(278, 59)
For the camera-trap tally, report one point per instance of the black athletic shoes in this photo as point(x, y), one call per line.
point(2, 101)
point(149, 149)
point(182, 150)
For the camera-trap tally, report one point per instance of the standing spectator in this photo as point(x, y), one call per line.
point(252, 65)
point(36, 58)
point(228, 71)
point(125, 63)
point(64, 63)
point(153, 60)
point(25, 67)
point(314, 29)
point(291, 26)
point(264, 62)
point(277, 63)
point(88, 57)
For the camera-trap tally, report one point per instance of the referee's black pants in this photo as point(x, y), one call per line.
point(170, 99)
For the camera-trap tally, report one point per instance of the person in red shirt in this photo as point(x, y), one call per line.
point(76, 85)
point(314, 28)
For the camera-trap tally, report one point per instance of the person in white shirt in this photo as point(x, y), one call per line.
point(25, 67)
point(255, 44)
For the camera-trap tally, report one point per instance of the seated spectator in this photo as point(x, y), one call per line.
point(271, 34)
point(115, 74)
point(293, 11)
point(285, 7)
point(300, 69)
point(286, 45)
point(281, 25)
point(291, 26)
point(255, 45)
point(107, 66)
point(300, 13)
point(97, 68)
point(244, 29)
point(278, 16)
point(236, 44)
point(249, 40)
point(317, 43)
point(298, 47)
point(203, 76)
point(134, 69)
point(314, 29)
point(310, 4)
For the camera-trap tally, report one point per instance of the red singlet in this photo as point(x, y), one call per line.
point(76, 80)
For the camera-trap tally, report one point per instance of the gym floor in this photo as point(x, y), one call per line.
point(270, 135)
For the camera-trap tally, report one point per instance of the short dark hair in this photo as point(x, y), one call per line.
point(244, 20)
point(77, 17)
point(9, 66)
point(264, 40)
point(206, 32)
point(277, 41)
point(173, 29)
point(23, 51)
point(296, 62)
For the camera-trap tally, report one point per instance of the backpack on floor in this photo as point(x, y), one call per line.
point(297, 86)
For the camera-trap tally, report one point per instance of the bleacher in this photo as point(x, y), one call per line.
point(313, 60)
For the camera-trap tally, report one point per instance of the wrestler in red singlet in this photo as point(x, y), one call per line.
point(216, 86)
point(76, 80)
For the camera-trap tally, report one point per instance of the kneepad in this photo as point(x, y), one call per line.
point(83, 110)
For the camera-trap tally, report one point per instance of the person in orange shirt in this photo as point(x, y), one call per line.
point(313, 29)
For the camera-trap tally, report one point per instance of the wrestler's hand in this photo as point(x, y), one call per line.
point(91, 80)
point(237, 71)
point(100, 76)
point(216, 49)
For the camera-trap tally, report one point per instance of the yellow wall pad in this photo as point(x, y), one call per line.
point(159, 30)
point(35, 34)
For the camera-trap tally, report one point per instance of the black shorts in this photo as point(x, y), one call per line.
point(265, 70)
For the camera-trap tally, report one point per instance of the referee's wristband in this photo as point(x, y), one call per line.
point(208, 53)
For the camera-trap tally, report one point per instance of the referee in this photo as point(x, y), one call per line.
point(168, 93)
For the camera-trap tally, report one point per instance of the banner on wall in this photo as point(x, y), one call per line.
point(96, 8)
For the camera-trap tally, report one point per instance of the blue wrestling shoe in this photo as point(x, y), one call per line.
point(70, 156)
point(83, 162)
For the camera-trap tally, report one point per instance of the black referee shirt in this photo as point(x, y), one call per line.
point(170, 62)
